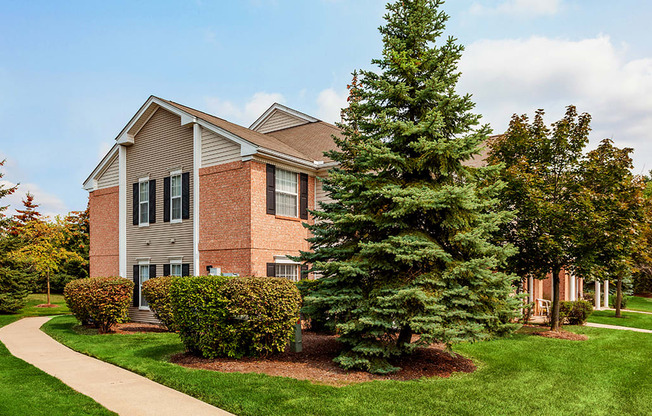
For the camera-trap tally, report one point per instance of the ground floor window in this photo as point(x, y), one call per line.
point(143, 273)
point(175, 269)
point(288, 271)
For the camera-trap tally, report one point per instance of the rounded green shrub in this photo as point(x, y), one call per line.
point(99, 301)
point(157, 293)
point(575, 312)
point(235, 316)
point(623, 301)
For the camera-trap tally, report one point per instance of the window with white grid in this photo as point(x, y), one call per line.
point(286, 193)
point(144, 202)
point(175, 197)
point(288, 271)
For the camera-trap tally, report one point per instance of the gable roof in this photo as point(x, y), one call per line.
point(276, 108)
point(311, 139)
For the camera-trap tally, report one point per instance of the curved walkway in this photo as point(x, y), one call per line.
point(119, 390)
point(622, 328)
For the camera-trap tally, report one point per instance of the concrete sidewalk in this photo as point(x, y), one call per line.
point(622, 328)
point(118, 390)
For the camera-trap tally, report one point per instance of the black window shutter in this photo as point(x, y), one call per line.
point(152, 271)
point(303, 196)
point(136, 301)
point(271, 189)
point(185, 196)
point(166, 270)
point(166, 199)
point(152, 201)
point(271, 269)
point(304, 271)
point(136, 200)
point(185, 269)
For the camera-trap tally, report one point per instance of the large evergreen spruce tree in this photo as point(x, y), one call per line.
point(405, 247)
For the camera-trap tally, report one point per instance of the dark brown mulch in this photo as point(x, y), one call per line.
point(643, 295)
point(134, 327)
point(316, 364)
point(47, 305)
point(570, 336)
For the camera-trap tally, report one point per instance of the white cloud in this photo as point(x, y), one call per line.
point(519, 8)
point(519, 76)
point(245, 114)
point(49, 204)
point(330, 104)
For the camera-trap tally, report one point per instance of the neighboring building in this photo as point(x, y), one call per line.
point(183, 192)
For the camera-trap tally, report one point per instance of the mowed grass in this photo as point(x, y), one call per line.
point(26, 390)
point(639, 303)
point(521, 375)
point(628, 319)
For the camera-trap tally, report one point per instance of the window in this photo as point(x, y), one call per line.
point(143, 273)
point(175, 269)
point(288, 271)
point(144, 203)
point(286, 193)
point(175, 198)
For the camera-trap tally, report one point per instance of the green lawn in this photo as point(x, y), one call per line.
point(523, 375)
point(629, 319)
point(638, 303)
point(26, 390)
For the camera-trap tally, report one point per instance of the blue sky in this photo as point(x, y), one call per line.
point(73, 73)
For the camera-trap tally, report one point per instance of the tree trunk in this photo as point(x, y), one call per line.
point(48, 280)
point(554, 318)
point(619, 293)
point(404, 337)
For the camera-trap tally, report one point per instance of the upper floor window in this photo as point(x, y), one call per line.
point(286, 193)
point(144, 203)
point(175, 199)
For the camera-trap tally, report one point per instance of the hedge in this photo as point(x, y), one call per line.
point(157, 293)
point(575, 312)
point(99, 301)
point(235, 316)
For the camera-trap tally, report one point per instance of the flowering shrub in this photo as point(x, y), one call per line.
point(99, 301)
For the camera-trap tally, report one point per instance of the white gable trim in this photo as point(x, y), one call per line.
point(280, 107)
point(90, 184)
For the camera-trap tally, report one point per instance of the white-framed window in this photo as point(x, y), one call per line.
point(143, 276)
point(143, 205)
point(287, 193)
point(175, 197)
point(288, 271)
point(175, 268)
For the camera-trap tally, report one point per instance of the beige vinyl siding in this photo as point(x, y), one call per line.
point(109, 177)
point(161, 146)
point(217, 150)
point(320, 194)
point(279, 120)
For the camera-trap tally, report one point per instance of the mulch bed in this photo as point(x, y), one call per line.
point(570, 336)
point(134, 327)
point(643, 295)
point(316, 364)
point(47, 305)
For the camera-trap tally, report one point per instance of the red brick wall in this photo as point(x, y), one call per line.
point(273, 235)
point(236, 233)
point(224, 220)
point(104, 232)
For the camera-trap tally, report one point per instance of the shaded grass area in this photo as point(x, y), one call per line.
point(628, 319)
point(638, 303)
point(26, 390)
point(608, 374)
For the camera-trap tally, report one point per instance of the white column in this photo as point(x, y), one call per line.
point(122, 211)
point(196, 164)
point(606, 294)
point(571, 287)
point(530, 289)
point(597, 295)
